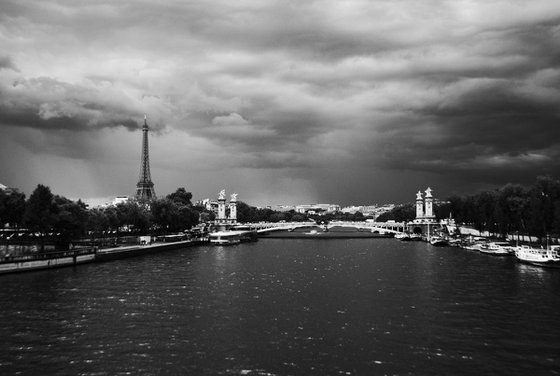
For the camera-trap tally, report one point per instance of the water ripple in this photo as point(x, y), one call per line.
point(285, 307)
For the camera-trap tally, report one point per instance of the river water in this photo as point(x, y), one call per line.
point(285, 307)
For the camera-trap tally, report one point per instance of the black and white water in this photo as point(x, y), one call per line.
point(285, 307)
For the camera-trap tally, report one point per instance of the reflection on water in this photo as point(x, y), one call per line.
point(285, 307)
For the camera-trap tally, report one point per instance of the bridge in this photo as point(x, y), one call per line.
point(377, 227)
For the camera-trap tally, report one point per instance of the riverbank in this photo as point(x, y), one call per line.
point(51, 260)
point(115, 253)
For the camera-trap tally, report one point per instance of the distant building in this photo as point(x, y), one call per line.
point(210, 205)
point(283, 208)
point(381, 210)
point(105, 202)
point(7, 190)
point(367, 210)
point(120, 200)
point(351, 209)
point(317, 208)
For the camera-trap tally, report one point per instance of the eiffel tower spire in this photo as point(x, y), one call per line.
point(145, 187)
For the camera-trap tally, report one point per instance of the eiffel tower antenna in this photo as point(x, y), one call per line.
point(145, 187)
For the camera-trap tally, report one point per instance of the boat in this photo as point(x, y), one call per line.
point(454, 242)
point(547, 257)
point(402, 236)
point(407, 236)
point(473, 246)
point(507, 246)
point(226, 237)
point(438, 241)
point(312, 232)
point(415, 237)
point(496, 249)
point(473, 243)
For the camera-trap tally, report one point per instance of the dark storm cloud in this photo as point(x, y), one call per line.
point(7, 63)
point(499, 129)
point(321, 88)
point(47, 103)
point(275, 141)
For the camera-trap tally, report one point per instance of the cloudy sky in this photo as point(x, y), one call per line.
point(283, 102)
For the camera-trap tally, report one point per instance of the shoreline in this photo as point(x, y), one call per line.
point(28, 263)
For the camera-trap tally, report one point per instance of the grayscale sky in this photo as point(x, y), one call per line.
point(283, 102)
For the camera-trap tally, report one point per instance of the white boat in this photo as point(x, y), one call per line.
point(473, 246)
point(438, 241)
point(496, 249)
point(403, 236)
point(312, 232)
point(225, 237)
point(549, 257)
point(507, 246)
point(474, 243)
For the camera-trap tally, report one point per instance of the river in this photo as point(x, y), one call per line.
point(285, 307)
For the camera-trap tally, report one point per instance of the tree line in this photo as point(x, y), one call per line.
point(251, 214)
point(55, 216)
point(513, 208)
point(530, 210)
point(46, 213)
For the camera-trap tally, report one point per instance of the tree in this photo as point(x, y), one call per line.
point(71, 219)
point(164, 213)
point(181, 196)
point(443, 210)
point(542, 199)
point(173, 215)
point(277, 217)
point(358, 217)
point(41, 212)
point(297, 217)
point(207, 216)
point(246, 213)
point(511, 209)
point(188, 217)
point(400, 213)
point(12, 208)
point(485, 203)
point(113, 218)
point(97, 221)
point(134, 215)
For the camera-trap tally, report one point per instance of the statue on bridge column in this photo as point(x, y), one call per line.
point(428, 204)
point(419, 205)
point(222, 206)
point(233, 208)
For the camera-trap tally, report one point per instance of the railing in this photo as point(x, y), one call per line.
point(395, 227)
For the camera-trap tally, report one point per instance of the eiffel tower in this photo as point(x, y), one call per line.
point(145, 187)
